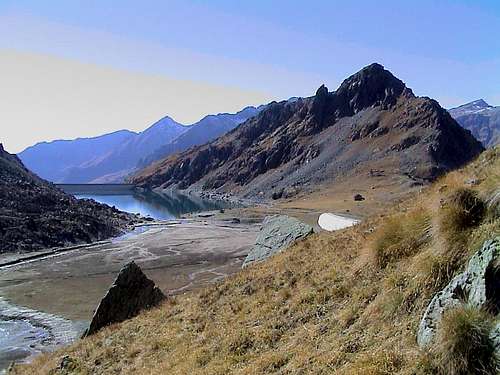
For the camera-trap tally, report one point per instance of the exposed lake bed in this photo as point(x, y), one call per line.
point(198, 244)
point(62, 288)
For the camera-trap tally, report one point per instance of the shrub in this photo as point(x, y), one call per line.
point(463, 343)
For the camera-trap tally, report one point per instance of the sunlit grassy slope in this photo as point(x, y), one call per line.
point(347, 302)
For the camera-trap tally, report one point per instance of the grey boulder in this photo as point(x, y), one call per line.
point(277, 233)
point(477, 286)
point(130, 293)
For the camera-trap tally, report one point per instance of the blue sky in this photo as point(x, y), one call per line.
point(254, 50)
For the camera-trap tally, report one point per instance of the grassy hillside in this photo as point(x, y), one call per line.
point(347, 302)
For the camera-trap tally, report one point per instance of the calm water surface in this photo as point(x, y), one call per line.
point(25, 332)
point(160, 207)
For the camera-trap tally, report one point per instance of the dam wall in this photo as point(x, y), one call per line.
point(98, 189)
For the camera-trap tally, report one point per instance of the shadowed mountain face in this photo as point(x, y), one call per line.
point(372, 121)
point(482, 119)
point(35, 215)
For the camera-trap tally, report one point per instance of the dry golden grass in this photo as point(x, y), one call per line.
point(464, 345)
point(320, 307)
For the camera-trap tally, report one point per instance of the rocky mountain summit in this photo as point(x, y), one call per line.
point(371, 122)
point(36, 215)
point(482, 119)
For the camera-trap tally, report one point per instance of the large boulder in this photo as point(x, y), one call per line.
point(277, 233)
point(477, 286)
point(130, 293)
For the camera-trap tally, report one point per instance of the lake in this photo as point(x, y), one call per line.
point(25, 332)
point(159, 207)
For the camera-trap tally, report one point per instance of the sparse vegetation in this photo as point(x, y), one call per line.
point(464, 345)
point(462, 210)
point(402, 236)
point(347, 302)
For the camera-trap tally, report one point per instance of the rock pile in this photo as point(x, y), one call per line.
point(35, 215)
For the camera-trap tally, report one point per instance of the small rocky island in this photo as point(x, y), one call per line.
point(34, 214)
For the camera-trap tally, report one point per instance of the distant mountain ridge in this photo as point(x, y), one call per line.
point(54, 160)
point(111, 157)
point(207, 129)
point(371, 122)
point(482, 119)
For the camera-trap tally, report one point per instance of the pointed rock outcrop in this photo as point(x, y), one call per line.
point(130, 293)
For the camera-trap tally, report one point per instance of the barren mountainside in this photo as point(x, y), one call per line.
point(372, 123)
point(482, 119)
point(35, 215)
point(110, 158)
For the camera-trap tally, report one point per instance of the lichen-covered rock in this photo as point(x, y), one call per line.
point(495, 338)
point(476, 287)
point(277, 233)
point(130, 293)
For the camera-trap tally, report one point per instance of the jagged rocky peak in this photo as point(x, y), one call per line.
point(371, 119)
point(480, 103)
point(472, 107)
point(371, 86)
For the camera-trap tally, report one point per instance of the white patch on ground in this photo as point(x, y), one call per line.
point(330, 222)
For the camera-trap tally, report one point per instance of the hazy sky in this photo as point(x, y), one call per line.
point(83, 68)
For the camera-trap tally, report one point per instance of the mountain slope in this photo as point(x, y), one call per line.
point(52, 160)
point(122, 160)
point(346, 302)
point(482, 119)
point(111, 157)
point(207, 129)
point(35, 215)
point(372, 122)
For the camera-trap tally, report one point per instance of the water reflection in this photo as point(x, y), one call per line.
point(158, 206)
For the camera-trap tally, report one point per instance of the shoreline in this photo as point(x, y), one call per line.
point(12, 259)
point(32, 333)
point(178, 255)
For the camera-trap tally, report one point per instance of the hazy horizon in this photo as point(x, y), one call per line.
point(85, 68)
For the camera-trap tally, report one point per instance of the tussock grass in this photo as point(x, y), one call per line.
point(321, 307)
point(401, 236)
point(464, 345)
point(463, 209)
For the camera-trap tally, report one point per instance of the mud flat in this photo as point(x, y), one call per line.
point(67, 286)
